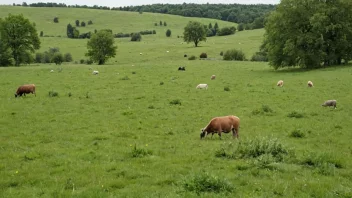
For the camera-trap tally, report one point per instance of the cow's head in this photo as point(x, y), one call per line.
point(16, 95)
point(202, 133)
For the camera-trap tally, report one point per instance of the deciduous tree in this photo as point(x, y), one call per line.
point(194, 32)
point(101, 47)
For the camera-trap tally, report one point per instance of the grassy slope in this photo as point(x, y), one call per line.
point(54, 143)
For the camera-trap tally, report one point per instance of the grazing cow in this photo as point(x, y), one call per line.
point(280, 83)
point(202, 86)
point(222, 124)
point(310, 84)
point(181, 69)
point(25, 89)
point(95, 72)
point(329, 103)
point(212, 77)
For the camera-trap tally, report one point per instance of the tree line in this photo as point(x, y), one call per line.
point(251, 16)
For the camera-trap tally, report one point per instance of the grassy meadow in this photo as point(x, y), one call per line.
point(133, 130)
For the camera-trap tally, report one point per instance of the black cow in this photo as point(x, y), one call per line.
point(181, 69)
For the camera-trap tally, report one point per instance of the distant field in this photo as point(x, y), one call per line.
point(117, 134)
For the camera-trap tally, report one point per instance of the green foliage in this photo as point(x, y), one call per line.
point(240, 27)
point(68, 57)
point(194, 32)
point(53, 94)
point(168, 32)
point(140, 152)
point(295, 114)
point(175, 102)
point(221, 53)
point(77, 23)
point(56, 19)
point(90, 22)
point(160, 23)
point(324, 163)
point(234, 54)
point(264, 110)
point(204, 182)
point(203, 55)
point(57, 58)
point(18, 35)
point(192, 57)
point(101, 47)
point(165, 23)
point(41, 34)
point(259, 57)
point(226, 31)
point(136, 37)
point(297, 133)
point(125, 78)
point(26, 57)
point(226, 88)
point(307, 36)
point(83, 24)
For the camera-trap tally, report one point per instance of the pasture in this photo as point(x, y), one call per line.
point(133, 129)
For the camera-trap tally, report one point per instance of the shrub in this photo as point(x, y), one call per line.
point(221, 53)
point(192, 58)
point(226, 88)
point(41, 34)
point(295, 114)
point(134, 72)
point(234, 55)
point(240, 27)
point(89, 61)
point(67, 57)
point(82, 61)
point(155, 24)
point(161, 83)
point(204, 182)
point(226, 31)
point(83, 24)
point(136, 37)
point(175, 102)
point(90, 22)
point(46, 57)
point(38, 57)
point(57, 58)
point(53, 94)
point(77, 23)
point(160, 23)
point(324, 163)
point(297, 134)
point(203, 55)
point(265, 109)
point(154, 32)
point(260, 57)
point(165, 23)
point(56, 19)
point(140, 152)
point(69, 94)
point(168, 32)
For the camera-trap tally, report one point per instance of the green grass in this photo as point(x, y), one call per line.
point(117, 135)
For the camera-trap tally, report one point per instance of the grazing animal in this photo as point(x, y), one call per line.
point(167, 51)
point(202, 86)
point(329, 103)
point(181, 69)
point(310, 84)
point(222, 124)
point(185, 55)
point(140, 53)
point(212, 77)
point(51, 70)
point(95, 72)
point(280, 83)
point(25, 89)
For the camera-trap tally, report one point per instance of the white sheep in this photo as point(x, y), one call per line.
point(212, 77)
point(95, 72)
point(52, 70)
point(310, 84)
point(202, 86)
point(329, 103)
point(280, 83)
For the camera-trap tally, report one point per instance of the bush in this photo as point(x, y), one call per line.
point(53, 94)
point(240, 27)
point(295, 114)
point(41, 34)
point(260, 57)
point(154, 32)
point(165, 23)
point(82, 61)
point(234, 55)
point(168, 32)
point(89, 61)
point(90, 22)
point(204, 182)
point(155, 24)
point(325, 163)
point(136, 37)
point(125, 78)
point(38, 57)
point(175, 102)
point(192, 58)
point(83, 24)
point(161, 83)
point(140, 152)
point(226, 88)
point(77, 23)
point(67, 57)
point(57, 58)
point(46, 57)
point(226, 31)
point(297, 134)
point(221, 53)
point(56, 19)
point(265, 109)
point(203, 55)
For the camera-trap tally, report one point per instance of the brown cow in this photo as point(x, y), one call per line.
point(25, 89)
point(222, 124)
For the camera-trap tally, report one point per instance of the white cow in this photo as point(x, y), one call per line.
point(95, 72)
point(202, 86)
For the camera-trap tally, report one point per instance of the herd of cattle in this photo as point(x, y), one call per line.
point(217, 125)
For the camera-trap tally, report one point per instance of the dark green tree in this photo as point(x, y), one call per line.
point(101, 47)
point(56, 19)
point(83, 24)
point(77, 23)
point(57, 58)
point(168, 32)
point(240, 27)
point(165, 23)
point(194, 32)
point(19, 35)
point(69, 31)
point(307, 33)
point(210, 26)
point(160, 23)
